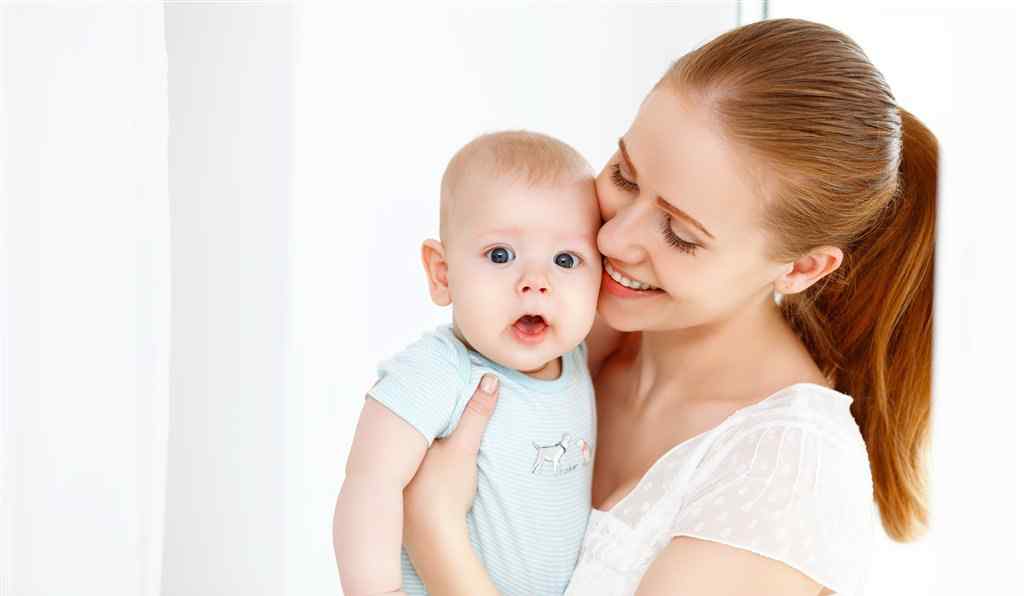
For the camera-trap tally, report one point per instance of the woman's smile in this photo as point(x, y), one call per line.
point(619, 284)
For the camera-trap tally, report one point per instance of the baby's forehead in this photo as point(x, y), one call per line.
point(564, 211)
point(497, 158)
point(504, 196)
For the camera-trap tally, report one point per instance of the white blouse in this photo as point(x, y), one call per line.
point(787, 478)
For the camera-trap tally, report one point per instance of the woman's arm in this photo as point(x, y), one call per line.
point(693, 566)
point(437, 500)
point(447, 563)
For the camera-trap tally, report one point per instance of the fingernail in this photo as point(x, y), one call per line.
point(489, 384)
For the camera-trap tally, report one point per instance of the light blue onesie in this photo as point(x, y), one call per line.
point(536, 458)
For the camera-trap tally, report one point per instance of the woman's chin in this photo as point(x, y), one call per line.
point(617, 317)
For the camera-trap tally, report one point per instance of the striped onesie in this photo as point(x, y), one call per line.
point(535, 464)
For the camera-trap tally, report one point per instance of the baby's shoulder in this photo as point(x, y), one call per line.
point(437, 352)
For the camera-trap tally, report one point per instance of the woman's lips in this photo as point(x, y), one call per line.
point(616, 289)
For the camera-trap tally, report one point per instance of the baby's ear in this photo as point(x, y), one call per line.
point(436, 268)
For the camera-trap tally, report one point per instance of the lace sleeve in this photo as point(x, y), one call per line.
point(791, 493)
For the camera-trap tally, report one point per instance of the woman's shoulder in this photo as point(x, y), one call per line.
point(803, 408)
point(802, 440)
point(790, 478)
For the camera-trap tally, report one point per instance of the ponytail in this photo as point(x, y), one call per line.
point(841, 165)
point(870, 330)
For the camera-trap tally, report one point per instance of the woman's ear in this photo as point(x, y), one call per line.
point(436, 268)
point(808, 269)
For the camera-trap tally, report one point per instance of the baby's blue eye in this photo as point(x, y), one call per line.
point(501, 255)
point(567, 260)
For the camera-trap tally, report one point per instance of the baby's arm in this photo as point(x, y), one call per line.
point(386, 452)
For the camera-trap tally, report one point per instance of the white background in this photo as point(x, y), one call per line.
point(305, 148)
point(84, 299)
point(230, 101)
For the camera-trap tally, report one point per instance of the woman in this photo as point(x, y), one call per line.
point(776, 379)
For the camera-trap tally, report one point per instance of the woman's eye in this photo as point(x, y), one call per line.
point(567, 260)
point(676, 241)
point(621, 181)
point(500, 255)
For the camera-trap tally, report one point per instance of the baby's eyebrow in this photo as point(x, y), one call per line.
point(489, 236)
point(582, 237)
point(502, 232)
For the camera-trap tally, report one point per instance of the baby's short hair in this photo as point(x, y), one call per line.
point(523, 156)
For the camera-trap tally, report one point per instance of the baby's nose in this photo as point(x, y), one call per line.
point(533, 284)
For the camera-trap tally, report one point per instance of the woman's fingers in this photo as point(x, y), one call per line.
point(442, 491)
point(470, 430)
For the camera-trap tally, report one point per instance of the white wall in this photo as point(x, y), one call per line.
point(84, 298)
point(230, 151)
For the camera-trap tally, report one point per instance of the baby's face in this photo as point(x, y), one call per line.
point(516, 253)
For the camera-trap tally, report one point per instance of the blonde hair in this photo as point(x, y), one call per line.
point(845, 166)
point(530, 158)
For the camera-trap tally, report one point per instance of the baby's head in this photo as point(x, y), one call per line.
point(518, 255)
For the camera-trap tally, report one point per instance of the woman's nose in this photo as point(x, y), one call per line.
point(626, 232)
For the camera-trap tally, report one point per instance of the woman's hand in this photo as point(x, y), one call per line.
point(438, 498)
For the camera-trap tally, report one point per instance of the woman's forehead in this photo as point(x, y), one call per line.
point(680, 153)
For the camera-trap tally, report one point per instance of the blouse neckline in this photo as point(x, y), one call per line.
point(820, 390)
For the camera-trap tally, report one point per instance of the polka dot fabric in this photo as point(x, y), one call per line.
point(787, 478)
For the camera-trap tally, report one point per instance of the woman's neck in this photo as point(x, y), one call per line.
point(749, 354)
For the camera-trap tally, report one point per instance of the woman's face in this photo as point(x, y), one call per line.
point(680, 214)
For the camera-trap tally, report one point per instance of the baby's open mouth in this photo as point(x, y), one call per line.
point(531, 324)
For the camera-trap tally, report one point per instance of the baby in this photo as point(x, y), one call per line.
point(517, 260)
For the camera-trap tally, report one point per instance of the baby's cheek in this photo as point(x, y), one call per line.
point(591, 283)
point(579, 312)
point(481, 304)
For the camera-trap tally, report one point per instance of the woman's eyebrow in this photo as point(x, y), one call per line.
point(661, 200)
point(625, 155)
point(684, 215)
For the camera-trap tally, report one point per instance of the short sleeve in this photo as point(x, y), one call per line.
point(422, 383)
point(791, 493)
